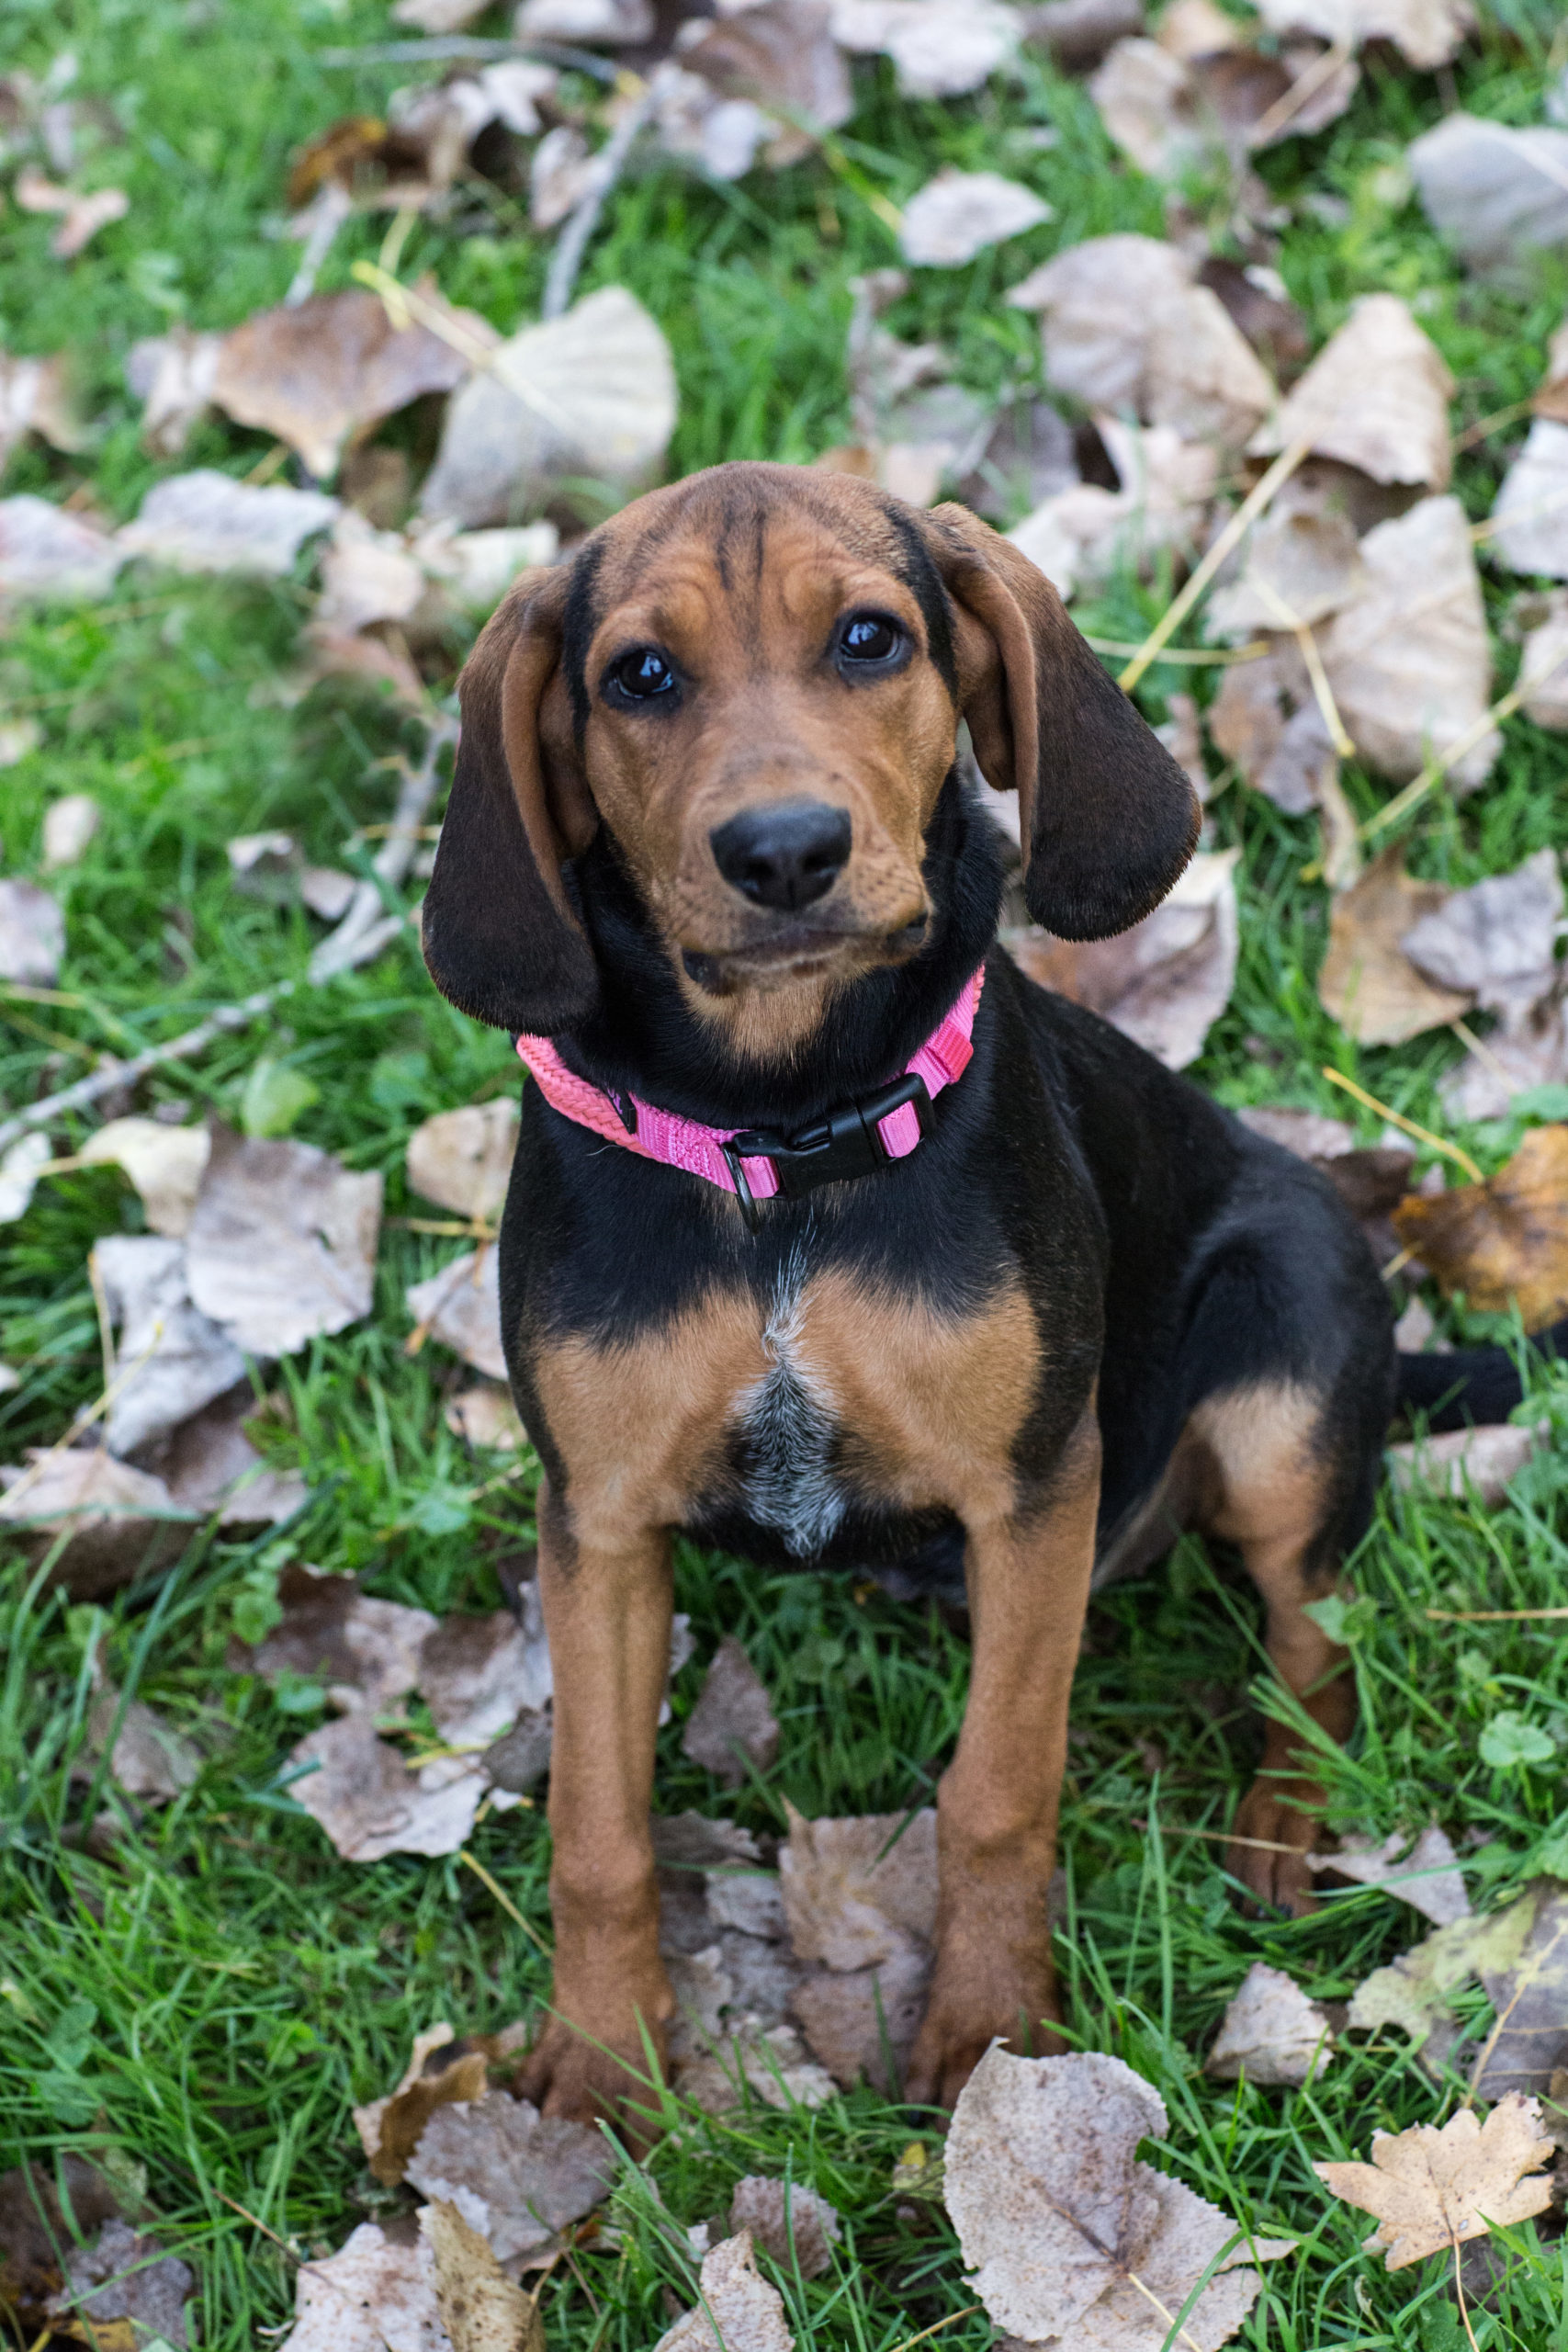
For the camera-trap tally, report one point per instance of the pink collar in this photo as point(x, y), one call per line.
point(754, 1163)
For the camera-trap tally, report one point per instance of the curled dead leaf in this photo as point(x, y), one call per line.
point(462, 1159)
point(1375, 397)
point(47, 553)
point(1498, 193)
point(207, 522)
point(1503, 1241)
point(733, 1722)
point(1432, 2189)
point(1367, 981)
point(740, 2312)
point(1272, 2032)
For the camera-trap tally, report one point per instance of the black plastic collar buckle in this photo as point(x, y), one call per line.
point(845, 1145)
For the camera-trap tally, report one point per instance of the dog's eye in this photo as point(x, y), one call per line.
point(870, 636)
point(642, 675)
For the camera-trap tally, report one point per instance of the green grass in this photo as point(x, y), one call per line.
point(209, 2000)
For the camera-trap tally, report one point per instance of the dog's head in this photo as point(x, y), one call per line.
point(754, 680)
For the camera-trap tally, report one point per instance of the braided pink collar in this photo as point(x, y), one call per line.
point(755, 1163)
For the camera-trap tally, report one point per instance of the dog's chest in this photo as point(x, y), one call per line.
point(787, 1433)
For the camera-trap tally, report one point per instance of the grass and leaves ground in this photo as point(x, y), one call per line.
point(207, 2000)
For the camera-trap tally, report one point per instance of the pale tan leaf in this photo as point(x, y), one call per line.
point(1482, 1462)
point(609, 24)
point(1272, 2032)
point(1311, 1134)
point(370, 1803)
point(124, 2287)
point(19, 1170)
point(941, 48)
point(484, 1417)
point(1498, 195)
point(854, 1887)
point(438, 16)
point(1529, 1991)
point(1433, 2189)
point(1498, 940)
point(476, 568)
point(210, 1465)
point(1427, 32)
point(740, 2310)
point(1507, 1063)
point(1428, 1877)
point(165, 1165)
point(367, 1652)
point(1375, 397)
point(170, 1358)
point(32, 934)
point(70, 826)
point(733, 1722)
point(281, 1244)
point(1531, 507)
point(593, 393)
point(1266, 720)
point(958, 214)
point(477, 1675)
point(1300, 567)
point(791, 2224)
point(1412, 1991)
point(460, 1307)
point(516, 2176)
point(462, 1159)
point(81, 217)
point(150, 1758)
point(367, 575)
point(481, 2309)
point(173, 376)
point(779, 56)
point(40, 396)
point(1544, 658)
point(47, 553)
point(207, 522)
point(373, 2295)
point(862, 2022)
point(118, 1523)
point(1367, 981)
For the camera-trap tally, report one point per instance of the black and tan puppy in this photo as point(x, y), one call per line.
point(707, 836)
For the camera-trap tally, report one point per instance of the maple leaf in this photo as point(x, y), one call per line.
point(1432, 2188)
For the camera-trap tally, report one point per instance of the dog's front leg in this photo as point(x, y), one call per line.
point(607, 1615)
point(996, 1804)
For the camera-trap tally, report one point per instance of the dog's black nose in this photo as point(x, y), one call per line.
point(787, 854)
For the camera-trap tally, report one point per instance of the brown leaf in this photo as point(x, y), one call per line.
point(1427, 32)
point(1509, 1063)
point(367, 1652)
point(781, 56)
point(281, 1245)
point(39, 396)
point(460, 1307)
point(1125, 327)
point(1376, 397)
point(207, 522)
point(150, 1758)
point(318, 372)
point(1311, 1134)
point(441, 2069)
point(1271, 2032)
point(371, 1803)
point(1428, 1877)
point(1496, 194)
point(1531, 507)
point(733, 1722)
point(118, 1523)
point(372, 2293)
point(1413, 1991)
point(1173, 112)
point(1498, 940)
point(170, 1359)
point(1529, 1990)
point(863, 2022)
point(1264, 719)
point(855, 1888)
point(462, 1159)
point(210, 1465)
point(1503, 1240)
point(478, 1675)
point(481, 2309)
point(173, 376)
point(1431, 2189)
point(959, 214)
point(129, 2279)
point(789, 2223)
point(1367, 981)
point(1255, 300)
point(1065, 2231)
point(34, 2201)
point(518, 2177)
point(81, 216)
point(45, 552)
point(1165, 982)
point(740, 2310)
point(367, 575)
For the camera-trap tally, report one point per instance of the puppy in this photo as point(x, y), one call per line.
point(833, 1240)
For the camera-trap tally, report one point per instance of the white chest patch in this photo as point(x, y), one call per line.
point(787, 1433)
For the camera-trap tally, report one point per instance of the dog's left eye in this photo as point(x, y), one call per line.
point(641, 674)
point(870, 636)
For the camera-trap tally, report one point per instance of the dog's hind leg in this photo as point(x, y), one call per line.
point(997, 1806)
point(1285, 1488)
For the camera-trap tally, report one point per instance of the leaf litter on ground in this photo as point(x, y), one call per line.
point(1433, 2188)
point(1271, 2032)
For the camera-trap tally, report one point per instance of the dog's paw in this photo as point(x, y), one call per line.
point(1276, 1814)
point(592, 2079)
point(1017, 2006)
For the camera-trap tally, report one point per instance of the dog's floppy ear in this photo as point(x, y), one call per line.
point(501, 939)
point(1107, 819)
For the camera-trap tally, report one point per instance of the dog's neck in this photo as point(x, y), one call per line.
point(644, 1037)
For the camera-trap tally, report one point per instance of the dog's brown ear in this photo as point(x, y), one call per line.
point(1107, 817)
point(500, 938)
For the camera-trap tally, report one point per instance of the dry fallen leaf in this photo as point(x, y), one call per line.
point(281, 1244)
point(791, 2224)
point(1126, 327)
point(517, 2177)
point(1311, 1134)
point(367, 1652)
point(1428, 1877)
point(1531, 507)
point(210, 1465)
point(781, 56)
point(1271, 2032)
point(484, 1417)
point(1072, 2241)
point(1174, 110)
point(740, 2310)
point(855, 1887)
point(118, 1523)
point(478, 1675)
point(591, 394)
point(32, 934)
point(1543, 659)
point(47, 553)
point(863, 2022)
point(170, 1358)
point(481, 2309)
point(70, 825)
point(1300, 566)
point(81, 217)
point(1502, 1241)
point(1375, 397)
point(958, 214)
point(19, 1170)
point(172, 375)
point(207, 522)
point(1413, 1991)
point(1497, 940)
point(371, 1803)
point(733, 1724)
point(320, 372)
point(1529, 1991)
point(440, 2071)
point(460, 1307)
point(1165, 982)
point(39, 396)
point(607, 24)
point(462, 1159)
point(1087, 531)
point(1433, 2189)
point(941, 48)
point(150, 1759)
point(127, 2289)
point(1498, 195)
point(366, 576)
point(374, 2294)
point(1427, 32)
point(1367, 981)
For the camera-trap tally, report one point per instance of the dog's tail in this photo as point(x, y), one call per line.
point(1471, 1384)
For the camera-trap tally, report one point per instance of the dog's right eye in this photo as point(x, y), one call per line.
point(641, 674)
